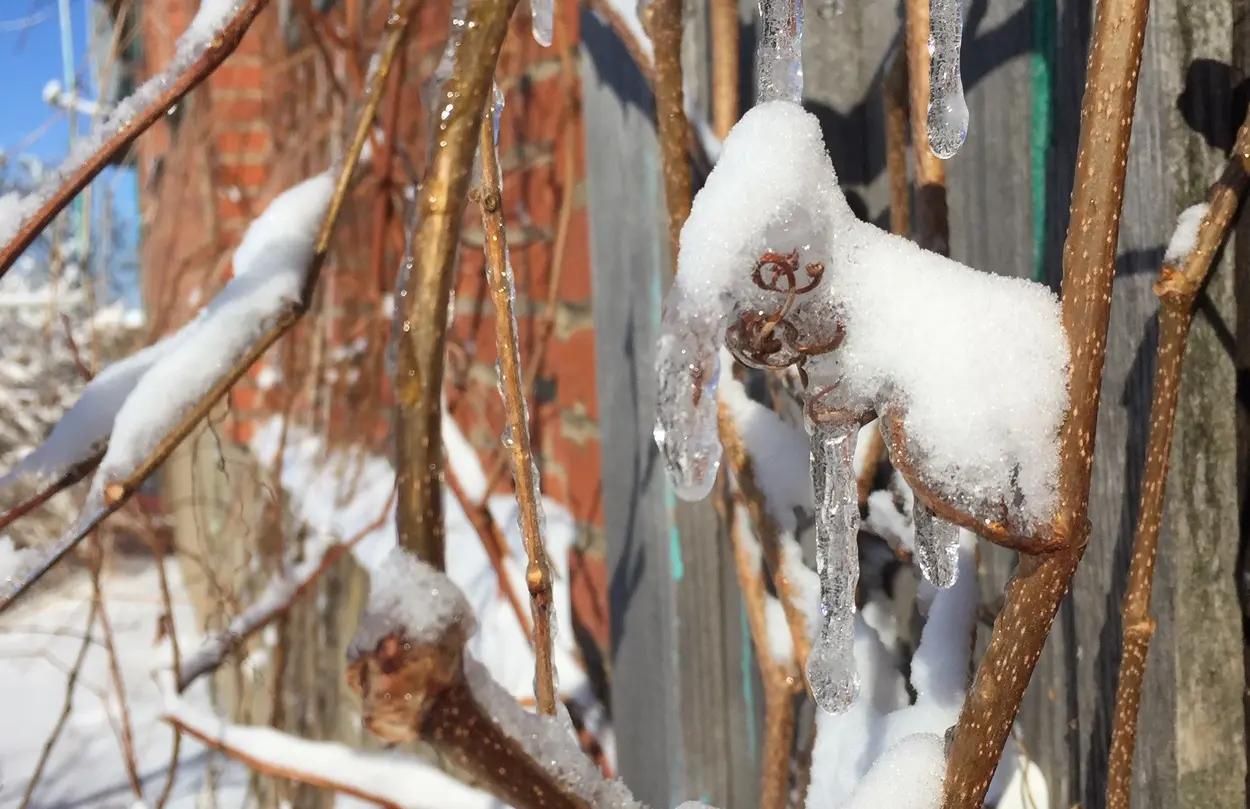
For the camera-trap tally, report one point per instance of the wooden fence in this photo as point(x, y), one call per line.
point(685, 688)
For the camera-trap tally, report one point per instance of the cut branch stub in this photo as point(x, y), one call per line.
point(419, 691)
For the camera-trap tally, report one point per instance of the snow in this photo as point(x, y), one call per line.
point(39, 640)
point(85, 427)
point(15, 562)
point(269, 265)
point(411, 600)
point(974, 361)
point(395, 778)
point(550, 741)
point(1185, 236)
point(908, 776)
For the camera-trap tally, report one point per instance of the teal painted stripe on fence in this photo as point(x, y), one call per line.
point(748, 682)
point(1041, 70)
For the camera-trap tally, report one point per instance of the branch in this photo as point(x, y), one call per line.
point(664, 25)
point(932, 221)
point(69, 478)
point(516, 414)
point(422, 343)
point(1032, 597)
point(896, 111)
point(116, 494)
point(119, 131)
point(1177, 288)
point(725, 66)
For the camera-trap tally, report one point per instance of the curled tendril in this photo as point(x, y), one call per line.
point(770, 340)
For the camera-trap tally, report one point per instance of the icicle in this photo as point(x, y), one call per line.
point(937, 546)
point(948, 112)
point(779, 55)
point(542, 21)
point(831, 672)
point(687, 368)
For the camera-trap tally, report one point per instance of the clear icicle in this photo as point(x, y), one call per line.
point(831, 672)
point(948, 111)
point(779, 55)
point(937, 546)
point(543, 21)
point(687, 369)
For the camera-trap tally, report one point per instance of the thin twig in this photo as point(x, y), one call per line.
point(119, 492)
point(664, 25)
point(725, 66)
point(71, 476)
point(422, 344)
point(78, 175)
point(171, 630)
point(499, 272)
point(779, 678)
point(67, 707)
point(896, 111)
point(1177, 289)
point(1032, 597)
point(932, 222)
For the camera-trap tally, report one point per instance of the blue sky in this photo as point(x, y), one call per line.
point(30, 57)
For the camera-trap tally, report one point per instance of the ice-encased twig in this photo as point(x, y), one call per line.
point(779, 54)
point(948, 111)
point(542, 21)
point(831, 672)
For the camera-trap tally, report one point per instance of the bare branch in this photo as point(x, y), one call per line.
point(1177, 288)
point(423, 341)
point(932, 219)
point(77, 171)
point(1032, 597)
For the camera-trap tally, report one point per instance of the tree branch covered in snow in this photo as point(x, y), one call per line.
point(277, 266)
point(212, 35)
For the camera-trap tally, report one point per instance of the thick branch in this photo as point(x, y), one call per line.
point(423, 342)
point(1032, 597)
point(77, 173)
point(1177, 288)
point(524, 473)
point(725, 66)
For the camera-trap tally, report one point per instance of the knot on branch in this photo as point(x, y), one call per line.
point(1175, 285)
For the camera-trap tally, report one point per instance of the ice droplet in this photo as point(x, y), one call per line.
point(937, 546)
point(831, 672)
point(542, 21)
point(687, 368)
point(948, 111)
point(779, 54)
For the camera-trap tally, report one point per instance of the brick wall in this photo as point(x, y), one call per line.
point(270, 117)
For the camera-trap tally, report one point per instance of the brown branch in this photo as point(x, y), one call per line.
point(117, 493)
point(171, 630)
point(932, 219)
point(72, 476)
point(725, 66)
point(779, 679)
point(896, 111)
point(422, 344)
point(664, 25)
point(1032, 597)
point(441, 708)
point(769, 534)
point(1177, 289)
point(524, 473)
point(75, 174)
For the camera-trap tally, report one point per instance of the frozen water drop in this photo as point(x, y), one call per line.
point(948, 111)
point(937, 546)
point(542, 21)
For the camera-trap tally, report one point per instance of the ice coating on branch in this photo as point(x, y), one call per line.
point(779, 54)
point(937, 546)
point(542, 21)
point(831, 670)
point(967, 369)
point(948, 110)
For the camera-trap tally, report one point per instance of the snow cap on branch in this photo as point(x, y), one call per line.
point(410, 600)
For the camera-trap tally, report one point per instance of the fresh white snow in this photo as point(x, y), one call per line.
point(1185, 235)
